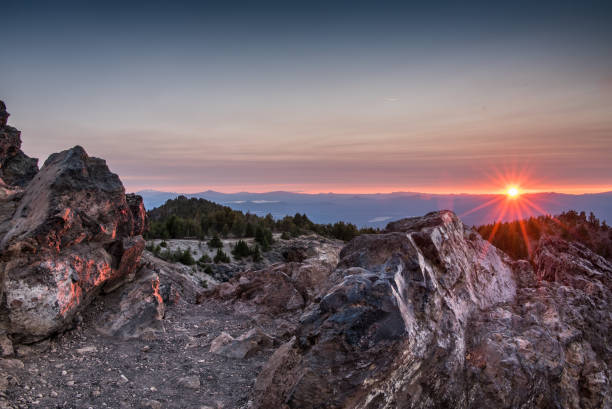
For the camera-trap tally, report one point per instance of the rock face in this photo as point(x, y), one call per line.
point(68, 233)
point(429, 315)
point(16, 168)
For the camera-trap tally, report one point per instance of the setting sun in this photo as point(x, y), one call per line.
point(512, 192)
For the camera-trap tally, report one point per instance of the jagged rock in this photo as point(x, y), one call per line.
point(288, 286)
point(429, 315)
point(177, 281)
point(244, 346)
point(136, 309)
point(16, 168)
point(71, 232)
point(3, 114)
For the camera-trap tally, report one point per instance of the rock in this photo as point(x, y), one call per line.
point(11, 364)
point(87, 350)
point(284, 286)
point(189, 382)
point(430, 315)
point(3, 114)
point(4, 382)
point(244, 346)
point(72, 231)
point(6, 346)
point(136, 310)
point(150, 403)
point(24, 350)
point(16, 168)
point(177, 281)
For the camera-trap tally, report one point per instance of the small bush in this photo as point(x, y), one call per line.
point(204, 259)
point(256, 254)
point(241, 250)
point(221, 257)
point(215, 243)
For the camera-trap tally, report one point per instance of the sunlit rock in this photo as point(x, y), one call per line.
point(430, 315)
point(71, 232)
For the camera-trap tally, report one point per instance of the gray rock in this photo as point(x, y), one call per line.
point(150, 403)
point(244, 346)
point(16, 168)
point(11, 364)
point(6, 346)
point(430, 315)
point(189, 382)
point(285, 286)
point(136, 309)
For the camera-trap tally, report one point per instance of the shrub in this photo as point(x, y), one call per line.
point(241, 249)
point(221, 257)
point(204, 259)
point(215, 242)
point(255, 253)
point(264, 238)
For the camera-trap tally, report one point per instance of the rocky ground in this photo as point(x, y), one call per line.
point(170, 369)
point(195, 358)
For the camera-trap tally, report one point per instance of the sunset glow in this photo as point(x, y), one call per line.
point(401, 98)
point(512, 192)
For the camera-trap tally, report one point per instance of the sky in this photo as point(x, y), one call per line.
point(363, 97)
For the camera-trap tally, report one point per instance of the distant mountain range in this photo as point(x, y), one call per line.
point(376, 210)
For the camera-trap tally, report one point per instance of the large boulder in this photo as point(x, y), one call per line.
point(72, 231)
point(429, 315)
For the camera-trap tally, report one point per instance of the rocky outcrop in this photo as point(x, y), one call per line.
point(68, 233)
point(16, 168)
point(429, 315)
point(285, 286)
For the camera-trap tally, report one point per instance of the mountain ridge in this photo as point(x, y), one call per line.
point(369, 210)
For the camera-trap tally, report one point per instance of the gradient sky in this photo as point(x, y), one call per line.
point(312, 96)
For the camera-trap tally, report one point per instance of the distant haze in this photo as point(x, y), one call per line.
point(442, 97)
point(379, 209)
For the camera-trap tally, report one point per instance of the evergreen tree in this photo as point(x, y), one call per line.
point(221, 257)
point(241, 250)
point(215, 243)
point(256, 254)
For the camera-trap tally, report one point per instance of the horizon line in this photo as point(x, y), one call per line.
point(573, 192)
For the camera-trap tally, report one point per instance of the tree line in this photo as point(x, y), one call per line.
point(570, 226)
point(182, 218)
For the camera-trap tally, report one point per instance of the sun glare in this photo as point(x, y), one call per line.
point(512, 192)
